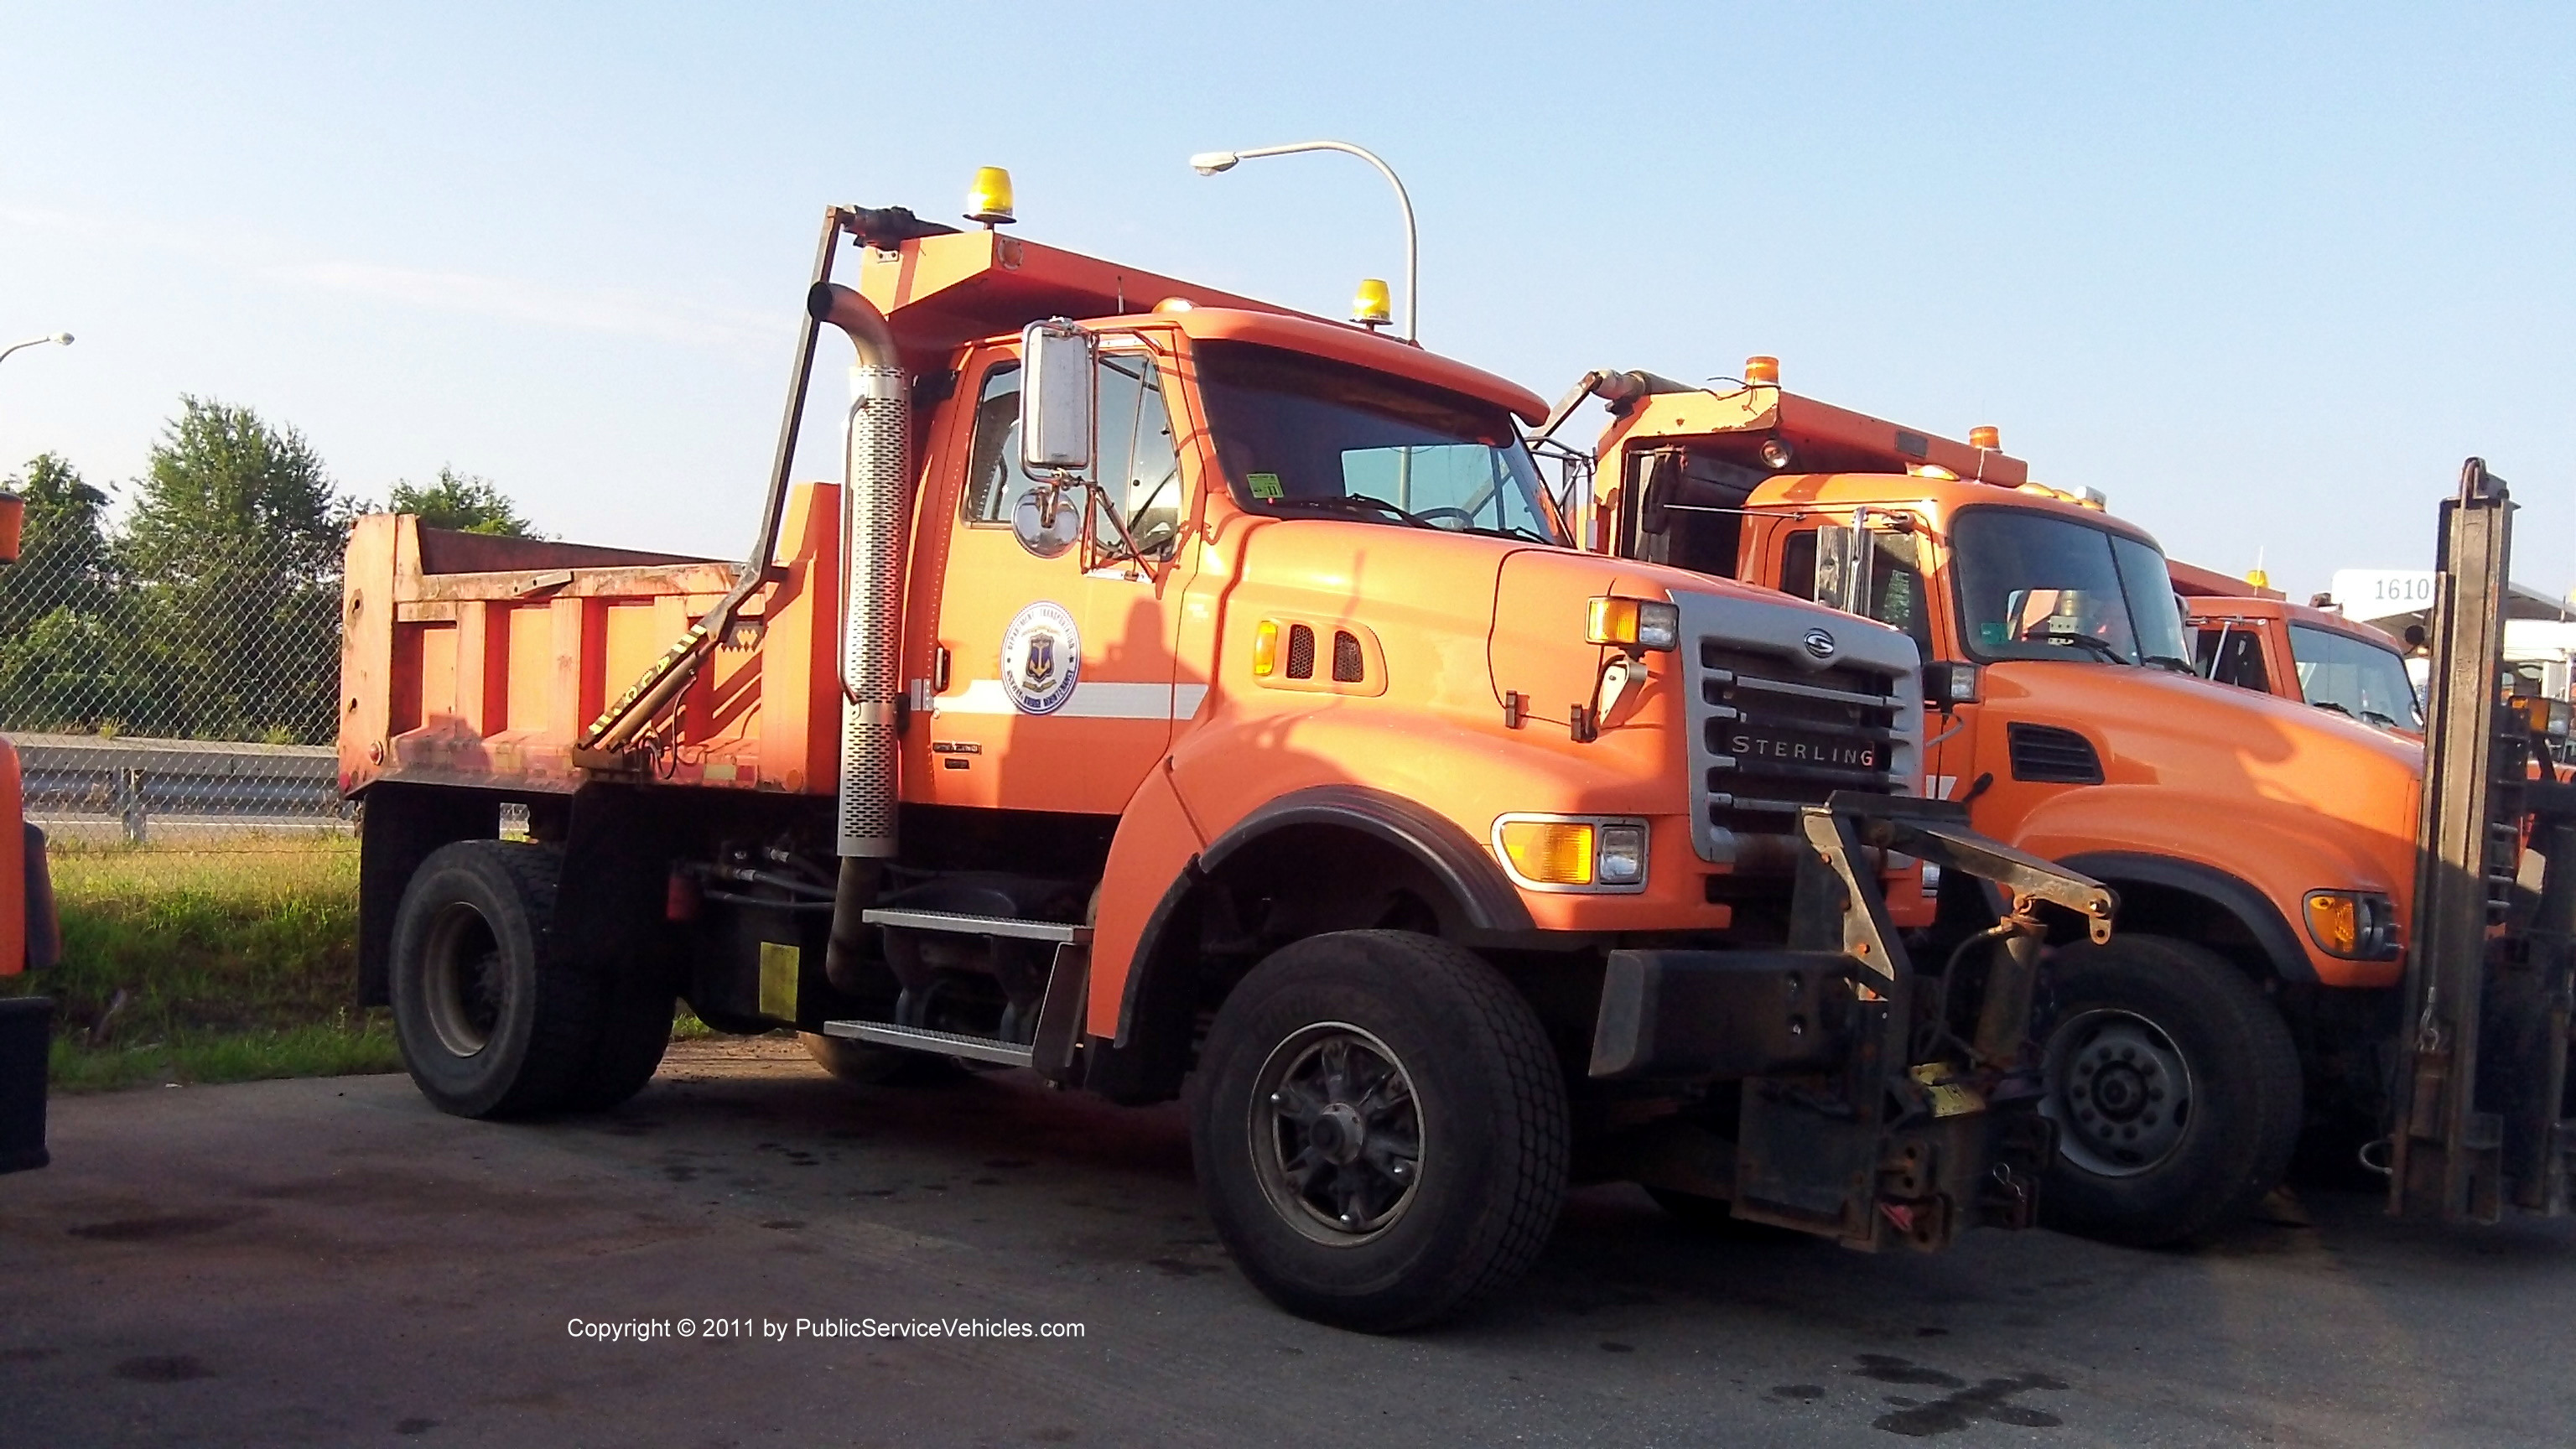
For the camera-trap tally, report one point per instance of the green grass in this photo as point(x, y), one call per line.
point(235, 962)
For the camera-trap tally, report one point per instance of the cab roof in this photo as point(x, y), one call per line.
point(938, 292)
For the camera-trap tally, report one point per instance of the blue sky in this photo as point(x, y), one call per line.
point(2264, 274)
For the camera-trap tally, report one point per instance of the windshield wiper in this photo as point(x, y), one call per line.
point(1354, 502)
point(2372, 716)
point(2330, 704)
point(1514, 530)
point(2088, 641)
point(2178, 666)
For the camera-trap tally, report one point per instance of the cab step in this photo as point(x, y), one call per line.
point(946, 1043)
point(965, 925)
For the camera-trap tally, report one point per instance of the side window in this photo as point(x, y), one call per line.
point(1138, 460)
point(1896, 592)
point(2233, 656)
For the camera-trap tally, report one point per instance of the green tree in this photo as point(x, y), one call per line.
point(462, 501)
point(236, 539)
point(67, 656)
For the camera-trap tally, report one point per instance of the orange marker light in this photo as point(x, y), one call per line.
point(1265, 649)
point(1553, 852)
point(1989, 438)
point(1760, 371)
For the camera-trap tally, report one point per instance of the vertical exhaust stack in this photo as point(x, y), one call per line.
point(872, 515)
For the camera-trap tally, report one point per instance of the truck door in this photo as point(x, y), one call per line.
point(1056, 688)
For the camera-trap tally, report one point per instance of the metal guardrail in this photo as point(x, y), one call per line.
point(128, 787)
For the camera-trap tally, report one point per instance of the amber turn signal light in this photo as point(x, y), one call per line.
point(1634, 623)
point(1551, 852)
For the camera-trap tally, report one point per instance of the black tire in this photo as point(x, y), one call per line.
point(635, 1022)
point(865, 1064)
point(2175, 1088)
point(490, 1021)
point(1437, 1056)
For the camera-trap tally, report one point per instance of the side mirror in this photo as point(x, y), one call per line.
point(2016, 615)
point(1059, 397)
point(1842, 567)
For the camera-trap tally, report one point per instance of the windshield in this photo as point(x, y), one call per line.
point(1299, 435)
point(2354, 677)
point(2034, 586)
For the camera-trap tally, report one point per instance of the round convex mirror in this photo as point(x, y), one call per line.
point(1047, 520)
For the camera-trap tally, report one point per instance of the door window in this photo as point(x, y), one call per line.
point(1896, 594)
point(2230, 655)
point(1137, 461)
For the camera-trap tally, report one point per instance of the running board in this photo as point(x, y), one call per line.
point(945, 1043)
point(964, 925)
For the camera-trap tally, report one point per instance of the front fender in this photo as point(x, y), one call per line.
point(2273, 852)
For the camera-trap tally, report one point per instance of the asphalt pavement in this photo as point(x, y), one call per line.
point(335, 1263)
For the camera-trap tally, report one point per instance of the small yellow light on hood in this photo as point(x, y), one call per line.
point(1265, 649)
point(1373, 305)
point(989, 199)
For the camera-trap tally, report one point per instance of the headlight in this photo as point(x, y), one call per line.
point(2355, 925)
point(1602, 854)
point(1634, 623)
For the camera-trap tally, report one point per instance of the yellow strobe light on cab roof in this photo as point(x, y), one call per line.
point(1633, 623)
point(1761, 370)
point(989, 199)
point(1373, 305)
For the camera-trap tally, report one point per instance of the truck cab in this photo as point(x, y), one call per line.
point(2251, 637)
point(2262, 849)
point(1176, 686)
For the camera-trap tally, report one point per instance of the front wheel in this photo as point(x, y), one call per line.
point(1380, 1129)
point(2174, 1086)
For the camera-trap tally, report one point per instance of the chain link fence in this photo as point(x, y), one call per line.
point(186, 699)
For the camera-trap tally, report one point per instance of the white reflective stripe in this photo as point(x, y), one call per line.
point(1092, 699)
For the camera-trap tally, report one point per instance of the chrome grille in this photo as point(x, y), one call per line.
point(1773, 728)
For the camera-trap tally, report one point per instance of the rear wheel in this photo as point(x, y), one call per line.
point(1380, 1129)
point(491, 1023)
point(2174, 1086)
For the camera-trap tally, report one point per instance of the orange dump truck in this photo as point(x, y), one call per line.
point(30, 939)
point(1180, 685)
point(2265, 853)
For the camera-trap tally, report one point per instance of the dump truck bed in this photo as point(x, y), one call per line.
point(479, 661)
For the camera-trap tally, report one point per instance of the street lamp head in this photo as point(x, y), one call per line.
point(64, 338)
point(1209, 163)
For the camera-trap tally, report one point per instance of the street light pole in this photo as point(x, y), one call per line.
point(64, 338)
point(1209, 163)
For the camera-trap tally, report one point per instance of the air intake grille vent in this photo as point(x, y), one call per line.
point(2052, 756)
point(1301, 652)
point(1347, 667)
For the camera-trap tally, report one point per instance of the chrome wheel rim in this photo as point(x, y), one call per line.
point(462, 980)
point(1337, 1134)
point(2120, 1092)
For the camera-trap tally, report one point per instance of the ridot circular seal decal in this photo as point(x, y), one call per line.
point(1041, 658)
point(1820, 644)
